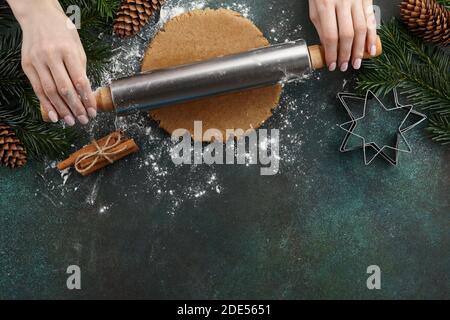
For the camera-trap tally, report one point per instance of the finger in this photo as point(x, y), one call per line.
point(371, 40)
point(39, 91)
point(67, 91)
point(329, 34)
point(77, 72)
point(51, 91)
point(313, 14)
point(360, 26)
point(346, 35)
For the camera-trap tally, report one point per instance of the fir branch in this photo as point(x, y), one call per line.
point(420, 72)
point(30, 104)
point(103, 8)
point(445, 3)
point(439, 129)
point(12, 78)
point(14, 83)
point(41, 140)
point(44, 140)
point(108, 8)
point(7, 19)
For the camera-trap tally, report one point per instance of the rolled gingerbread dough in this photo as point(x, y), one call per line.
point(200, 35)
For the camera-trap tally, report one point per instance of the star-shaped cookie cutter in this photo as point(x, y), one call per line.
point(350, 126)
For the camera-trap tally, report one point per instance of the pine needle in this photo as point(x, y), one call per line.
point(440, 129)
point(445, 3)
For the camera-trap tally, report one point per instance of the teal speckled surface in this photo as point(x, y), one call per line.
point(145, 229)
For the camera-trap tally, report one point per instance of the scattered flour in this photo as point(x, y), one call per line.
point(153, 163)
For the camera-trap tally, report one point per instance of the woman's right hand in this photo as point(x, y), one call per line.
point(347, 28)
point(54, 60)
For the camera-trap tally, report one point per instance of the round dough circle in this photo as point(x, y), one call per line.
point(200, 35)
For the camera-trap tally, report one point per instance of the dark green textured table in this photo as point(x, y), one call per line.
point(144, 228)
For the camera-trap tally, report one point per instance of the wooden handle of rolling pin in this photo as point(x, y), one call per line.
point(317, 54)
point(103, 98)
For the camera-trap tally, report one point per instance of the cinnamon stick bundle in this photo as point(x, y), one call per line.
point(100, 153)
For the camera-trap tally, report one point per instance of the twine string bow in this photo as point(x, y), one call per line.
point(103, 151)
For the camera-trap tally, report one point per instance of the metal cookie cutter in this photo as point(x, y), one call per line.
point(350, 126)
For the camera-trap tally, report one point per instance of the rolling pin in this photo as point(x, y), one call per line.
point(257, 68)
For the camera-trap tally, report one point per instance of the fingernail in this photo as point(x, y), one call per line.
point(92, 112)
point(70, 121)
point(344, 66)
point(83, 119)
point(357, 64)
point(53, 116)
point(332, 66)
point(373, 50)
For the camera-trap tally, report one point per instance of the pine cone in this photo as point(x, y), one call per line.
point(427, 19)
point(133, 15)
point(12, 151)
